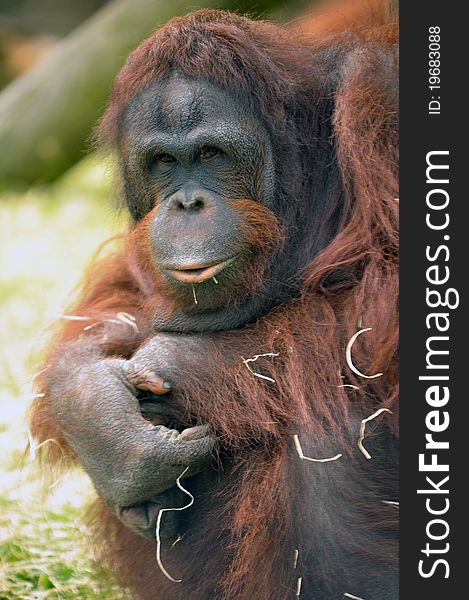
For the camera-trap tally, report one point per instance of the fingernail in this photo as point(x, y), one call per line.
point(168, 385)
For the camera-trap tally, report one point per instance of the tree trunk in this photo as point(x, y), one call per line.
point(47, 115)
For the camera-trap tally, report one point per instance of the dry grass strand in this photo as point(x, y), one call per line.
point(362, 430)
point(158, 525)
point(246, 361)
point(348, 355)
point(299, 449)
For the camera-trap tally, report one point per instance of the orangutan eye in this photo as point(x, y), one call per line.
point(165, 159)
point(209, 152)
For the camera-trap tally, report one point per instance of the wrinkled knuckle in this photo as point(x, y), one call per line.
point(162, 431)
point(117, 368)
point(207, 442)
point(136, 370)
point(127, 367)
point(197, 452)
point(171, 436)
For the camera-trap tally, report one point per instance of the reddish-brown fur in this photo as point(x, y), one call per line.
point(334, 16)
point(252, 516)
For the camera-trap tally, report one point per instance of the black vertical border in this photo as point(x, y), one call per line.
point(420, 134)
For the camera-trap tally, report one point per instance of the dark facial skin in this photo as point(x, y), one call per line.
point(189, 140)
point(192, 150)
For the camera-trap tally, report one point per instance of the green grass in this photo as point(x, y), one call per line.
point(47, 236)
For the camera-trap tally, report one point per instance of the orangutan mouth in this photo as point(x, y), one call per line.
point(196, 273)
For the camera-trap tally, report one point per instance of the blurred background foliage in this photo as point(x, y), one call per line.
point(47, 113)
point(47, 235)
point(57, 62)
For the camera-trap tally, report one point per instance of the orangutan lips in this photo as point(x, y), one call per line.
point(198, 273)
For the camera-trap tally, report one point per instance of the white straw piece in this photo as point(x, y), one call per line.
point(57, 481)
point(298, 586)
point(128, 320)
point(127, 316)
point(33, 447)
point(39, 373)
point(295, 558)
point(122, 319)
point(347, 595)
point(158, 526)
point(177, 540)
point(74, 318)
point(88, 327)
point(362, 429)
point(246, 361)
point(299, 449)
point(348, 355)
